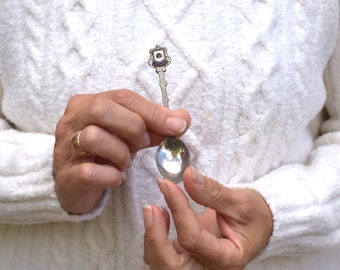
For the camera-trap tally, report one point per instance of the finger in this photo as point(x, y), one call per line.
point(84, 184)
point(157, 118)
point(99, 142)
point(242, 214)
point(116, 119)
point(210, 193)
point(158, 250)
point(157, 138)
point(179, 206)
point(93, 175)
point(190, 234)
point(166, 217)
point(125, 113)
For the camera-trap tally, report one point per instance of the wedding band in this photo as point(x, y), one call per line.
point(75, 141)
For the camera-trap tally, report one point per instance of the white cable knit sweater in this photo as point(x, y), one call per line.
point(250, 73)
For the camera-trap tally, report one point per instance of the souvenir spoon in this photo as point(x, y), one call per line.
point(172, 156)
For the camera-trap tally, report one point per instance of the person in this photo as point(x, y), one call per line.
point(254, 93)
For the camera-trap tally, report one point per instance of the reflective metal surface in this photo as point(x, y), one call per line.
point(172, 158)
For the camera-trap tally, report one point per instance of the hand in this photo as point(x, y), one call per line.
point(114, 125)
point(235, 228)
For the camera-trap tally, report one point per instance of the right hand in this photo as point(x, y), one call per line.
point(236, 227)
point(114, 125)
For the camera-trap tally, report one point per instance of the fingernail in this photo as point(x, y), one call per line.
point(176, 124)
point(145, 142)
point(197, 177)
point(123, 175)
point(162, 186)
point(147, 215)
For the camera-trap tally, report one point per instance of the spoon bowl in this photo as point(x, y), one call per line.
point(172, 158)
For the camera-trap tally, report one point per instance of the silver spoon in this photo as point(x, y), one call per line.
point(172, 156)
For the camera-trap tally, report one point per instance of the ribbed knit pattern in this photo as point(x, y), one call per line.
point(250, 73)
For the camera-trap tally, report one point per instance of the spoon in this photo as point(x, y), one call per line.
point(172, 156)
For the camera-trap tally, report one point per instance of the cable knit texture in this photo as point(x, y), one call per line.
point(249, 72)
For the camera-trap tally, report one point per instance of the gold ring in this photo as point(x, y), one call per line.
point(75, 141)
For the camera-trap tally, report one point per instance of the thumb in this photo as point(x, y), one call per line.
point(210, 193)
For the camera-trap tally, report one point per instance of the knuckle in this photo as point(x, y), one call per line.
point(153, 112)
point(60, 128)
point(151, 240)
point(74, 101)
point(123, 96)
point(90, 136)
point(97, 108)
point(86, 174)
point(139, 126)
point(187, 241)
point(129, 98)
point(68, 118)
point(215, 192)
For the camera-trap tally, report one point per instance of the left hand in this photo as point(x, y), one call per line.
point(229, 235)
point(108, 129)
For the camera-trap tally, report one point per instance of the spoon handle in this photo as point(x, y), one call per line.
point(159, 59)
point(163, 83)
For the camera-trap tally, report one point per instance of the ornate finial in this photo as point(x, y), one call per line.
point(159, 57)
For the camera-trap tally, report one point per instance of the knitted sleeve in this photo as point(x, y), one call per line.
point(305, 198)
point(27, 193)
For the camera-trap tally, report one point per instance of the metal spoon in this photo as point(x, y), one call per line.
point(172, 156)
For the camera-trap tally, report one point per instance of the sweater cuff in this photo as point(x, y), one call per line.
point(304, 200)
point(27, 188)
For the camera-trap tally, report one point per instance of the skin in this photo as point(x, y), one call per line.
point(234, 229)
point(115, 125)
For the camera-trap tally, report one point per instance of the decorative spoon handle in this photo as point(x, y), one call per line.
point(159, 59)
